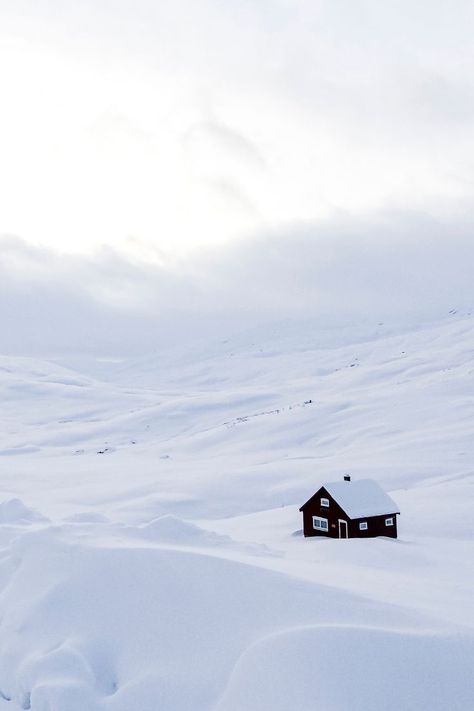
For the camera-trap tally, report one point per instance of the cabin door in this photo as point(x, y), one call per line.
point(342, 528)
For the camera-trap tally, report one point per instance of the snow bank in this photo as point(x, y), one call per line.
point(14, 511)
point(361, 669)
point(171, 529)
point(95, 626)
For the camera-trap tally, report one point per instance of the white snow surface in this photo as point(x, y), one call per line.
point(361, 498)
point(151, 550)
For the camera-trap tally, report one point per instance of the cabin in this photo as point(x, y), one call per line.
point(350, 509)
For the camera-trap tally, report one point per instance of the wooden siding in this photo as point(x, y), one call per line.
point(375, 527)
point(375, 524)
point(333, 514)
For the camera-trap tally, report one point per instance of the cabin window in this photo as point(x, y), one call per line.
point(389, 521)
point(363, 526)
point(320, 524)
point(325, 503)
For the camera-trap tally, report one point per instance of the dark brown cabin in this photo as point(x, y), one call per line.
point(350, 509)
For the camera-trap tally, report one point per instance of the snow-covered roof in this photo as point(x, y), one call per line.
point(363, 497)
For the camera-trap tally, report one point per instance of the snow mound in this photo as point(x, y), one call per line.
point(90, 627)
point(171, 529)
point(15, 512)
point(357, 668)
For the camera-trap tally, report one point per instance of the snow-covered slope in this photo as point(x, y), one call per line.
point(151, 554)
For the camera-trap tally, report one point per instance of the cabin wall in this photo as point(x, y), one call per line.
point(375, 527)
point(333, 514)
point(375, 524)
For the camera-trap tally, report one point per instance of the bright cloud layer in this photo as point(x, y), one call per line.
point(169, 126)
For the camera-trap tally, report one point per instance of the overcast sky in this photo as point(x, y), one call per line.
point(192, 132)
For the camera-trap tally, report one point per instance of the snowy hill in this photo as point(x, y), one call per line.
point(149, 524)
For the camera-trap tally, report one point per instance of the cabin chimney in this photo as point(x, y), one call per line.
point(347, 477)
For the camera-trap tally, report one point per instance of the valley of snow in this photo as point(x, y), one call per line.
point(151, 548)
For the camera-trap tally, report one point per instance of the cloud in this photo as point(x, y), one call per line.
point(51, 302)
point(185, 123)
point(394, 267)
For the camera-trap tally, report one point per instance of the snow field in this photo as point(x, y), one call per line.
point(150, 554)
